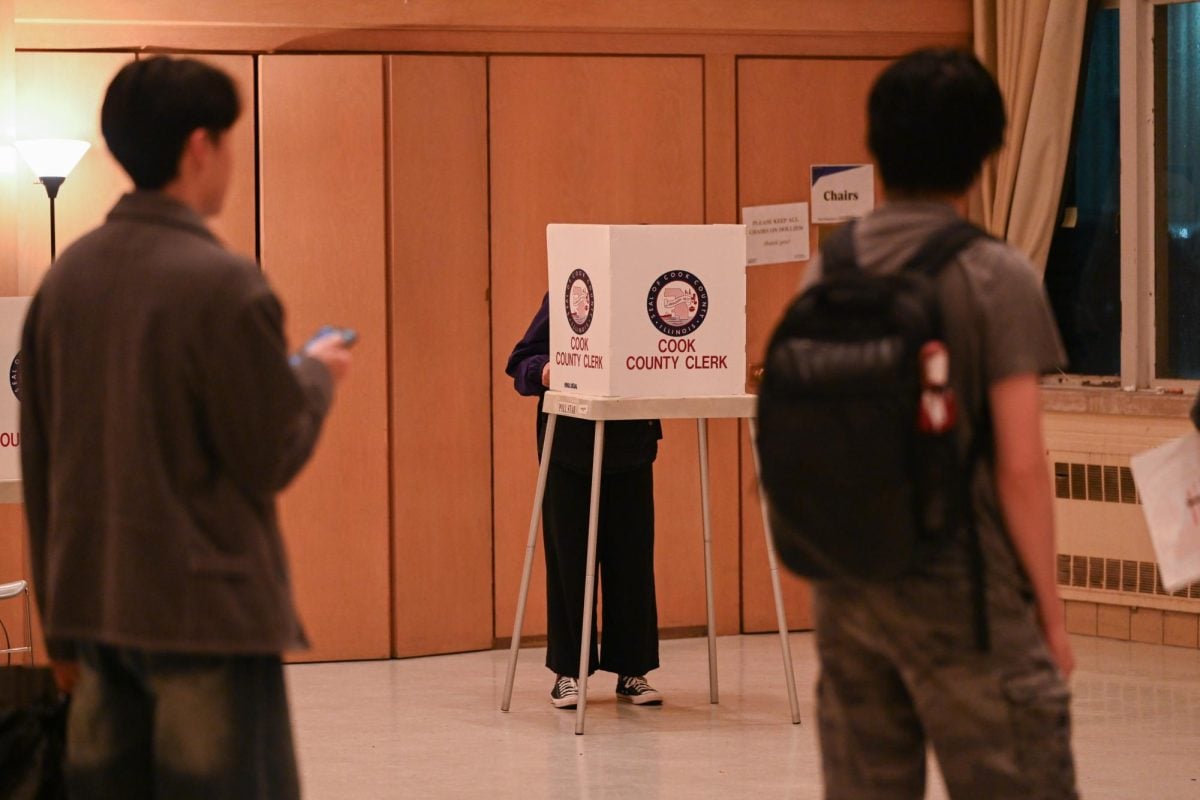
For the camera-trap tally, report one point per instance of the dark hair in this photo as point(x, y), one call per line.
point(152, 106)
point(933, 117)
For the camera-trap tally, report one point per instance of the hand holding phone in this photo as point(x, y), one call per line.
point(331, 346)
point(349, 336)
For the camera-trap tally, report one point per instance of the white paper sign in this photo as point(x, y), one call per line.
point(1168, 480)
point(775, 234)
point(842, 191)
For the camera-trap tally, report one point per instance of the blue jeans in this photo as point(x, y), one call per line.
point(179, 726)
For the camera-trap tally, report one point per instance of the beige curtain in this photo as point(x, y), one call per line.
point(1034, 48)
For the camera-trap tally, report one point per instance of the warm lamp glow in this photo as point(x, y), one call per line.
point(52, 161)
point(52, 158)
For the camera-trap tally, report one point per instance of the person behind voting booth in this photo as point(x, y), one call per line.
point(159, 418)
point(900, 665)
point(625, 544)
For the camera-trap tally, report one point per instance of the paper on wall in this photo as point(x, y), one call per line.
point(776, 234)
point(1168, 480)
point(841, 192)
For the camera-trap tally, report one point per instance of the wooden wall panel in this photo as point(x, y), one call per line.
point(601, 140)
point(441, 408)
point(237, 224)
point(8, 156)
point(720, 206)
point(323, 247)
point(791, 114)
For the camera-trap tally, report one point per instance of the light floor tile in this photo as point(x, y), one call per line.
point(432, 728)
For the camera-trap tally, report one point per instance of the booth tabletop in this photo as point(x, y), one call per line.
point(610, 408)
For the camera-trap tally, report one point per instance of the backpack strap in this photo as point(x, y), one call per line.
point(931, 257)
point(978, 568)
point(935, 254)
point(942, 246)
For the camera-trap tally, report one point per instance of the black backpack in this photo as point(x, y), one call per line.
point(855, 489)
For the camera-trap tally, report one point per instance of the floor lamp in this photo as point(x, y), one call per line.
point(52, 161)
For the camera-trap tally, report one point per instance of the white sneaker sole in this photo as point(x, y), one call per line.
point(564, 702)
point(641, 699)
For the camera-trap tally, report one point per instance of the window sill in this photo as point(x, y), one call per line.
point(1114, 401)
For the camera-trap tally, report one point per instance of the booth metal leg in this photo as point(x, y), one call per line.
point(780, 616)
point(589, 579)
point(530, 548)
point(702, 430)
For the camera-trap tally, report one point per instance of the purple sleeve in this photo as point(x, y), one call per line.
point(528, 379)
point(531, 353)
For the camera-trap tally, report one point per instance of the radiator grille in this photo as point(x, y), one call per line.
point(1128, 490)
point(1114, 574)
point(1096, 482)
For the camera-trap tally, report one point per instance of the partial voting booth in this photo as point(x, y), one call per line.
point(12, 585)
point(12, 319)
point(646, 321)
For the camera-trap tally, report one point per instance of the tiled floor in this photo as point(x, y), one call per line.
point(432, 728)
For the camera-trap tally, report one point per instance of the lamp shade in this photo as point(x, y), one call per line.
point(52, 158)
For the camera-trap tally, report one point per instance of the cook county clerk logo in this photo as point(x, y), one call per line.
point(14, 376)
point(580, 301)
point(677, 303)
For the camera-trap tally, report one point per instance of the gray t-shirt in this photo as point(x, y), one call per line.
point(997, 324)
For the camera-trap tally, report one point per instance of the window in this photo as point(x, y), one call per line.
point(1123, 274)
point(1177, 189)
point(1083, 271)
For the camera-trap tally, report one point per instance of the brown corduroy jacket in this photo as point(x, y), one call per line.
point(159, 418)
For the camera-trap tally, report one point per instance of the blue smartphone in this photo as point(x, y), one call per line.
point(349, 335)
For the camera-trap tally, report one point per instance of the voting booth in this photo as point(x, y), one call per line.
point(12, 319)
point(647, 310)
point(646, 322)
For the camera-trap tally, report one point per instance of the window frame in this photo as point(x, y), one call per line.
point(1139, 367)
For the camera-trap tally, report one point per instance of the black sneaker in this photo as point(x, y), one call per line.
point(634, 689)
point(565, 693)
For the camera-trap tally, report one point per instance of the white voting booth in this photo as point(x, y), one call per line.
point(646, 322)
point(12, 318)
point(647, 310)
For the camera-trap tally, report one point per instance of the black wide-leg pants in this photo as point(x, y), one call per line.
point(625, 569)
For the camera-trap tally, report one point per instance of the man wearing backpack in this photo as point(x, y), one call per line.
point(905, 663)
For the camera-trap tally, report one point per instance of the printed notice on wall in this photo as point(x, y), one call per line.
point(842, 192)
point(775, 234)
